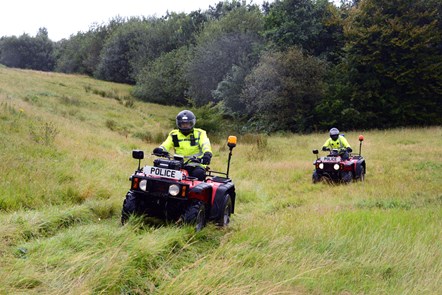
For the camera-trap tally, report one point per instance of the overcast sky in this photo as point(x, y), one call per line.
point(65, 18)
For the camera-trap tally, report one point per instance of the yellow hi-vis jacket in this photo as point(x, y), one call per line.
point(339, 143)
point(194, 144)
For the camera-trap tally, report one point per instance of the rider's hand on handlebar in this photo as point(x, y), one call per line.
point(324, 148)
point(160, 152)
point(205, 160)
point(349, 149)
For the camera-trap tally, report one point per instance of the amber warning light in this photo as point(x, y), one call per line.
point(361, 137)
point(231, 141)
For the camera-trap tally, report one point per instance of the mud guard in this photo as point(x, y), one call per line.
point(202, 192)
point(219, 202)
point(358, 167)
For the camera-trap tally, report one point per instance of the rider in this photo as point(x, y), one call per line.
point(337, 141)
point(188, 142)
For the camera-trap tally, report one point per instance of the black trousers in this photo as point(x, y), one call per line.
point(196, 171)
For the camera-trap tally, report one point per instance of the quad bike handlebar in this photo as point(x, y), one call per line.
point(162, 155)
point(184, 160)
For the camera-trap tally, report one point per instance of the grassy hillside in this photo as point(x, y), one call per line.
point(65, 159)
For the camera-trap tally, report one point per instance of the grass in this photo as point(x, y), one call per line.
point(65, 158)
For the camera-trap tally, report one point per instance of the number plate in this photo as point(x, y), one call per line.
point(163, 172)
point(331, 159)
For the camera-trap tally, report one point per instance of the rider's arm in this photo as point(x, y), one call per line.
point(205, 143)
point(344, 142)
point(167, 145)
point(326, 144)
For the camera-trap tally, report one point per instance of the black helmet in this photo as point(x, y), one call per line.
point(185, 121)
point(334, 133)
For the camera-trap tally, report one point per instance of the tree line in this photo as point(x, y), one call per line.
point(291, 65)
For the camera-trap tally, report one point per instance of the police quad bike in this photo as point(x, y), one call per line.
point(166, 191)
point(339, 166)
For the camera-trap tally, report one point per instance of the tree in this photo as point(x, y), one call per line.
point(163, 80)
point(229, 91)
point(394, 58)
point(314, 26)
point(28, 52)
point(223, 43)
point(122, 52)
point(283, 89)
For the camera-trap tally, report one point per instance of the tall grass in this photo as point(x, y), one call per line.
point(65, 173)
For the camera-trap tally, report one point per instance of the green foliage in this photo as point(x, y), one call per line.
point(209, 117)
point(394, 62)
point(121, 52)
point(163, 81)
point(28, 52)
point(229, 91)
point(138, 42)
point(314, 26)
point(283, 89)
point(81, 52)
point(221, 45)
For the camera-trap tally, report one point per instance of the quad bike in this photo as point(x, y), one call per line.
point(339, 166)
point(166, 191)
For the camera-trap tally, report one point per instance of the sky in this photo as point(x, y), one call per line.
point(65, 18)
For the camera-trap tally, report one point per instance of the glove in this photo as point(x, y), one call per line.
point(349, 149)
point(205, 160)
point(324, 148)
point(158, 151)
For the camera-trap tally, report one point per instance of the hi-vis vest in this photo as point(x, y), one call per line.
point(195, 144)
point(339, 143)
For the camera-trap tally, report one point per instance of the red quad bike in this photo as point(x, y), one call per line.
point(339, 166)
point(166, 191)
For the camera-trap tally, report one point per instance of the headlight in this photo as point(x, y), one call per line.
point(143, 185)
point(321, 166)
point(174, 190)
point(336, 166)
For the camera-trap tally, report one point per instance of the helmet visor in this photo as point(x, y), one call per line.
point(185, 125)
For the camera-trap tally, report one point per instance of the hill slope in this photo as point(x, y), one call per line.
point(65, 158)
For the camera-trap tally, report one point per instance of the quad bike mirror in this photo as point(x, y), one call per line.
point(138, 154)
point(315, 152)
point(361, 137)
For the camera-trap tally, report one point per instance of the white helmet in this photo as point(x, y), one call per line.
point(334, 133)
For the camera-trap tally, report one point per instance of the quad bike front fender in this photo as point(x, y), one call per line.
point(220, 200)
point(201, 192)
point(359, 168)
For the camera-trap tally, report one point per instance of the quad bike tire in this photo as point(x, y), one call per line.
point(315, 177)
point(129, 207)
point(362, 175)
point(227, 212)
point(347, 177)
point(195, 214)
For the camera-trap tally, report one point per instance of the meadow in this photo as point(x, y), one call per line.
point(65, 161)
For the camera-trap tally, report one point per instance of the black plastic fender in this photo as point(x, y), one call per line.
point(359, 166)
point(217, 209)
point(202, 192)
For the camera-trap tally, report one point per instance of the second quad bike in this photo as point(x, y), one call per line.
point(166, 191)
point(339, 166)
